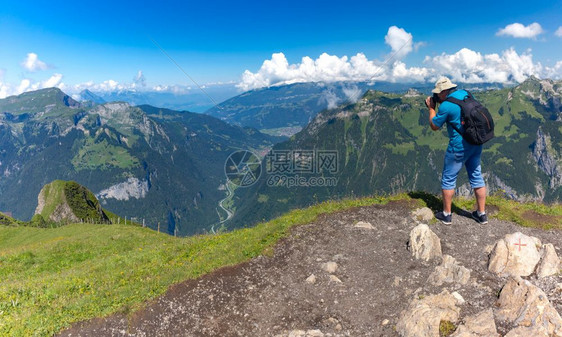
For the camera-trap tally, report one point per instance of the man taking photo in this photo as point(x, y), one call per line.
point(459, 151)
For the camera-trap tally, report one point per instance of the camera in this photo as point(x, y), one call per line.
point(435, 99)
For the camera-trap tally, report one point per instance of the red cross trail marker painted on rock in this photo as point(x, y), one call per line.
point(520, 244)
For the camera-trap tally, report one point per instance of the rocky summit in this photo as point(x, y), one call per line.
point(67, 202)
point(382, 270)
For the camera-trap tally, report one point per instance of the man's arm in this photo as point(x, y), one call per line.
point(431, 106)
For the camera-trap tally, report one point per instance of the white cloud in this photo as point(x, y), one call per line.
point(139, 80)
point(24, 85)
point(326, 68)
point(107, 85)
point(331, 68)
point(520, 31)
point(27, 84)
point(558, 32)
point(554, 72)
point(465, 66)
point(472, 67)
point(402, 73)
point(352, 92)
point(32, 63)
point(53, 81)
point(330, 97)
point(400, 41)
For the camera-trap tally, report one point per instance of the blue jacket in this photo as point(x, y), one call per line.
point(451, 114)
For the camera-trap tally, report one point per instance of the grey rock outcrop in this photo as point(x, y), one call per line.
point(424, 243)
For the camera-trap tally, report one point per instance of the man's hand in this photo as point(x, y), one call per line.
point(430, 103)
point(431, 106)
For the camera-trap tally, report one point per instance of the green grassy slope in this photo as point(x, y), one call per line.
point(53, 277)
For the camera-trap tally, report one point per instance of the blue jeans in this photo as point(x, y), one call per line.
point(470, 157)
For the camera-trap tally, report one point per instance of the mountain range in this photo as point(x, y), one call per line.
point(148, 163)
point(193, 100)
point(286, 109)
point(384, 145)
point(168, 166)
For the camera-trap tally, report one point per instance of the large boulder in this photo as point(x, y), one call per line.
point(527, 307)
point(479, 325)
point(424, 244)
point(423, 316)
point(515, 255)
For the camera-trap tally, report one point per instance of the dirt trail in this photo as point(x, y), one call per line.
point(270, 296)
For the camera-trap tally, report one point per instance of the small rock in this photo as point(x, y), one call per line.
point(516, 255)
point(450, 272)
point(364, 225)
point(397, 281)
point(333, 320)
point(422, 214)
point(424, 244)
point(385, 322)
point(314, 333)
point(334, 278)
point(550, 262)
point(459, 298)
point(330, 267)
point(338, 257)
point(311, 279)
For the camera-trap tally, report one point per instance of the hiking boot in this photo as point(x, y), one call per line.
point(481, 219)
point(446, 219)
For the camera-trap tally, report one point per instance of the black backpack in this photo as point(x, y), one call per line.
point(476, 120)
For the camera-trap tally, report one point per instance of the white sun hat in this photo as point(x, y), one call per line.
point(443, 84)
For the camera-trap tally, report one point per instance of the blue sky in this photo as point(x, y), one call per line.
point(216, 41)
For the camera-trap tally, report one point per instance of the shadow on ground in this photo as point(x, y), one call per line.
point(436, 204)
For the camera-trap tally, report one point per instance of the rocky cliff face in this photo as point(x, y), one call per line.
point(547, 158)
